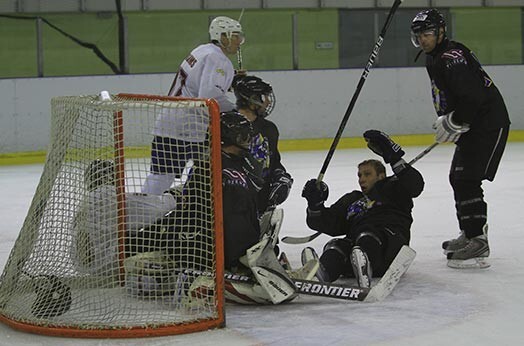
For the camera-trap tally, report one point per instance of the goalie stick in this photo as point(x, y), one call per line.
point(307, 239)
point(377, 292)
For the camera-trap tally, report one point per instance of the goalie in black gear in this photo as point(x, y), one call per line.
point(245, 253)
point(472, 114)
point(375, 221)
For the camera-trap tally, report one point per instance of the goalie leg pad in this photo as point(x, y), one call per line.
point(262, 261)
point(279, 288)
point(246, 294)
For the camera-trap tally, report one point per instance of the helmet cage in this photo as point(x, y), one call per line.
point(426, 22)
point(252, 90)
point(235, 130)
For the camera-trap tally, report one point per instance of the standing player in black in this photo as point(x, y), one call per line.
point(472, 114)
point(375, 221)
point(255, 100)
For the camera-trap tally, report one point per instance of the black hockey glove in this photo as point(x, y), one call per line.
point(382, 145)
point(447, 131)
point(314, 194)
point(280, 187)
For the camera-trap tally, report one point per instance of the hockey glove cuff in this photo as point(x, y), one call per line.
point(448, 131)
point(399, 166)
point(280, 187)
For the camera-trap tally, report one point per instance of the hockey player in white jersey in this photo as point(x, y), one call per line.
point(97, 219)
point(206, 72)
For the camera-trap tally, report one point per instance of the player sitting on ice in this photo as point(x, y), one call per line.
point(255, 100)
point(375, 221)
point(97, 219)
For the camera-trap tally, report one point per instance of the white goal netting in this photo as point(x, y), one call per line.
point(100, 253)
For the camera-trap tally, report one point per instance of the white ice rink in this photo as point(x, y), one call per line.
point(432, 305)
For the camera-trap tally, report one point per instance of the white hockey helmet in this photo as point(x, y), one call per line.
point(224, 25)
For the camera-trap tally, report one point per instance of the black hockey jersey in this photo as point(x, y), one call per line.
point(388, 204)
point(460, 84)
point(270, 132)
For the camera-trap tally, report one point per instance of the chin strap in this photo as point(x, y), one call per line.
point(418, 54)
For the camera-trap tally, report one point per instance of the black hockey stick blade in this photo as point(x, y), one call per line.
point(365, 73)
point(300, 240)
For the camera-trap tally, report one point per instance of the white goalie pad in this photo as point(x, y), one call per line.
point(270, 224)
point(269, 273)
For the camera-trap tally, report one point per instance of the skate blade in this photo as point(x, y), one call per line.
point(472, 263)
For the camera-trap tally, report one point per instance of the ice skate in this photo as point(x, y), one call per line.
point(460, 242)
point(309, 254)
point(361, 267)
point(473, 255)
point(453, 245)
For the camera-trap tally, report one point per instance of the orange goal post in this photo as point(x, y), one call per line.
point(96, 256)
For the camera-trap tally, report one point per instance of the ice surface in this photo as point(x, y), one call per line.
point(432, 305)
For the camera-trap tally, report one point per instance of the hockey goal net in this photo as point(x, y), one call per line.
point(96, 257)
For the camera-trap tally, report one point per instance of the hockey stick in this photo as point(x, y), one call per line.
point(307, 239)
point(377, 292)
point(239, 51)
point(371, 60)
point(314, 288)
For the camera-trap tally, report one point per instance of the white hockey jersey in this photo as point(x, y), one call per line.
point(96, 225)
point(205, 73)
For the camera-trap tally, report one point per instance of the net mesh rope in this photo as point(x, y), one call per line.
point(110, 247)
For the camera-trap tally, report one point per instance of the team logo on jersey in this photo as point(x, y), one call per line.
point(439, 99)
point(454, 57)
point(233, 178)
point(453, 54)
point(359, 207)
point(221, 71)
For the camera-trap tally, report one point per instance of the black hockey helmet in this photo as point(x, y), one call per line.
point(99, 172)
point(235, 129)
point(425, 21)
point(253, 90)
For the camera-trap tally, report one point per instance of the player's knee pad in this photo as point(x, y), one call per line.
point(369, 242)
point(373, 245)
point(335, 257)
point(342, 246)
point(157, 184)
